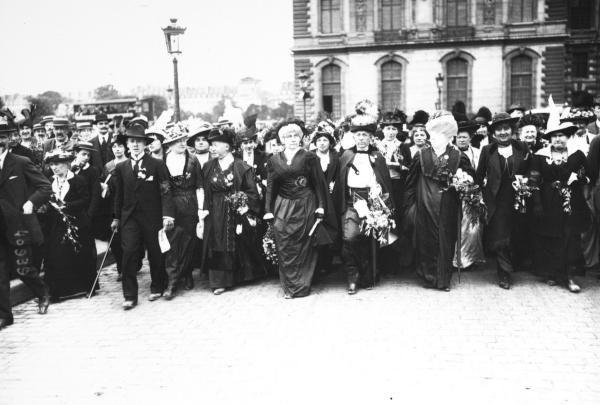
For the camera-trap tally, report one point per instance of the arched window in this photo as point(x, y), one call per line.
point(457, 13)
point(391, 85)
point(331, 16)
point(522, 10)
point(331, 85)
point(391, 14)
point(521, 81)
point(457, 81)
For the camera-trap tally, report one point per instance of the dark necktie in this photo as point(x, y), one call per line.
point(136, 167)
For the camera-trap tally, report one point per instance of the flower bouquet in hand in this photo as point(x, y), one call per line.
point(269, 246)
point(377, 220)
point(238, 203)
point(523, 191)
point(71, 232)
point(471, 196)
point(565, 193)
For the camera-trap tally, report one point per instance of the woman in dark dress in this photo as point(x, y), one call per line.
point(329, 162)
point(430, 206)
point(185, 176)
point(224, 225)
point(69, 264)
point(499, 163)
point(560, 210)
point(296, 197)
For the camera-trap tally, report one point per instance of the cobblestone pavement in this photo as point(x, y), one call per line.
point(399, 343)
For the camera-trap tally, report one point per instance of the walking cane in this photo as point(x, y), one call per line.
point(102, 264)
point(459, 242)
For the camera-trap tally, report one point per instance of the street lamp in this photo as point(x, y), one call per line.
point(439, 82)
point(304, 86)
point(172, 33)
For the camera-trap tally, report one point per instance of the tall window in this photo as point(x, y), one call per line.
point(457, 13)
point(521, 80)
point(457, 71)
point(580, 64)
point(391, 14)
point(391, 85)
point(522, 10)
point(581, 14)
point(331, 85)
point(331, 16)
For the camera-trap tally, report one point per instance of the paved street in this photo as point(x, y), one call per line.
point(399, 343)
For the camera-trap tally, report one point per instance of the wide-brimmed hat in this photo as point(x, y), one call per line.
point(565, 128)
point(175, 133)
point(396, 118)
point(140, 120)
point(249, 134)
point(225, 135)
point(502, 118)
point(578, 115)
point(529, 119)
point(198, 130)
point(468, 126)
point(83, 145)
point(138, 132)
point(59, 156)
point(222, 122)
point(515, 107)
point(153, 132)
point(101, 117)
point(119, 138)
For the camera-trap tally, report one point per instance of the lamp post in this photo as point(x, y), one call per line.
point(172, 33)
point(439, 82)
point(304, 86)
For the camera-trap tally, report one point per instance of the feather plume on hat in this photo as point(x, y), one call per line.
point(366, 117)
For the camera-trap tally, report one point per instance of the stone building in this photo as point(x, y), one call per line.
point(489, 52)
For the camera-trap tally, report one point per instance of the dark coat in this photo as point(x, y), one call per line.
point(489, 168)
point(380, 169)
point(102, 154)
point(92, 177)
point(593, 128)
point(21, 181)
point(25, 152)
point(150, 196)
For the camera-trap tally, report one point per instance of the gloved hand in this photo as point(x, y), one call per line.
point(268, 217)
point(114, 225)
point(320, 213)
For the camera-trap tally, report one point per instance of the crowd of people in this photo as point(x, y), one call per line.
point(434, 194)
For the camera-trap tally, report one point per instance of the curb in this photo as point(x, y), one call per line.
point(19, 293)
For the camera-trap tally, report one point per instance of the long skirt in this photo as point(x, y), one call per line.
point(555, 257)
point(471, 243)
point(297, 257)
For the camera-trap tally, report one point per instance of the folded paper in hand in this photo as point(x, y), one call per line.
point(163, 241)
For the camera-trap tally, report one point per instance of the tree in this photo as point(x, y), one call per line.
point(1, 103)
point(106, 92)
point(219, 109)
point(284, 110)
point(46, 103)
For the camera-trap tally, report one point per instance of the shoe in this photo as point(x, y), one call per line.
point(169, 294)
point(351, 288)
point(154, 296)
point(218, 291)
point(43, 305)
point(551, 282)
point(5, 322)
point(573, 287)
point(505, 282)
point(287, 296)
point(129, 304)
point(189, 282)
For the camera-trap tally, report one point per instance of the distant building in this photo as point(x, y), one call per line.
point(489, 52)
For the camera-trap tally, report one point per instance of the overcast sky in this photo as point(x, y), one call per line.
point(77, 45)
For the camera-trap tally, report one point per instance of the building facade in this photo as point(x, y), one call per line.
point(490, 53)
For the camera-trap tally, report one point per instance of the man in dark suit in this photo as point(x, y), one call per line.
point(594, 127)
point(143, 205)
point(14, 145)
point(22, 189)
point(102, 153)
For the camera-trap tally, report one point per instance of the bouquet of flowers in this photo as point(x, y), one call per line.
point(471, 196)
point(523, 190)
point(269, 246)
point(565, 193)
point(377, 217)
point(71, 231)
point(239, 205)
